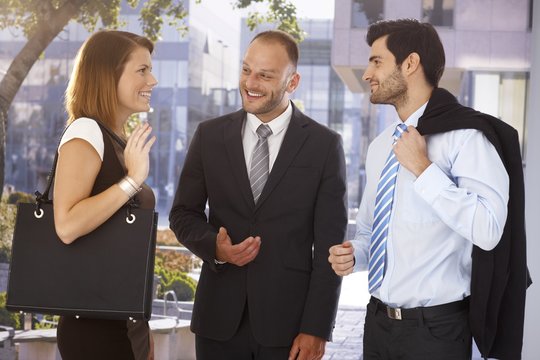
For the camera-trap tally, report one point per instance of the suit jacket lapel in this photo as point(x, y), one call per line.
point(235, 151)
point(292, 142)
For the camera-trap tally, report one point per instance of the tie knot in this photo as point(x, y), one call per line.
point(400, 129)
point(264, 131)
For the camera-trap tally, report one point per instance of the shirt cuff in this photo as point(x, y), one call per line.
point(358, 265)
point(217, 262)
point(431, 183)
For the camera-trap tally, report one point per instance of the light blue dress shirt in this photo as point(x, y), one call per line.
point(459, 200)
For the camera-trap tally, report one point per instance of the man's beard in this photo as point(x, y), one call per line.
point(392, 91)
point(270, 104)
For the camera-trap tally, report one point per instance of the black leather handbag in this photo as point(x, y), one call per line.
point(106, 274)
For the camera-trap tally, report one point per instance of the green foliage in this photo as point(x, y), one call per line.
point(6, 317)
point(8, 211)
point(152, 17)
point(280, 12)
point(7, 223)
point(173, 260)
point(20, 197)
point(183, 285)
point(132, 122)
point(46, 322)
point(27, 14)
point(107, 11)
point(16, 320)
point(166, 237)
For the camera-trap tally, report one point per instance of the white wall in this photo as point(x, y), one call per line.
point(531, 345)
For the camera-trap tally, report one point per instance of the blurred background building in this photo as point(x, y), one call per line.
point(197, 75)
point(487, 45)
point(198, 80)
point(488, 63)
point(489, 50)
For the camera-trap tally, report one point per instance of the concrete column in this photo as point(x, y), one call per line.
point(531, 345)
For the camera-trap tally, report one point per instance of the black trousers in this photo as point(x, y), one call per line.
point(242, 346)
point(441, 332)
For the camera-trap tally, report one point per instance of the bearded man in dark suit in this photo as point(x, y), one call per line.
point(275, 185)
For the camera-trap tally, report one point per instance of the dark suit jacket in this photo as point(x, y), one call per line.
point(290, 287)
point(499, 277)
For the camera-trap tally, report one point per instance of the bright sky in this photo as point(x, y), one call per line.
point(314, 9)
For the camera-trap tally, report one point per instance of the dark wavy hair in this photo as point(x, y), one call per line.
point(406, 36)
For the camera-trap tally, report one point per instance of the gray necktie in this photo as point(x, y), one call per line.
point(258, 173)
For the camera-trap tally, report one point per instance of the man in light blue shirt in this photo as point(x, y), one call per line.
point(451, 192)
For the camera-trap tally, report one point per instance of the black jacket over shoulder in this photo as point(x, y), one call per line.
point(500, 276)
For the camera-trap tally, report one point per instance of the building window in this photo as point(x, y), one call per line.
point(438, 12)
point(503, 95)
point(366, 12)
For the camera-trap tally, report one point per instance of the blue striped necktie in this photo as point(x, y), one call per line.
point(381, 218)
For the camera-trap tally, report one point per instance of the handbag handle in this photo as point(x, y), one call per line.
point(44, 198)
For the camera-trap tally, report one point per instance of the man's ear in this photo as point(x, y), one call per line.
point(411, 63)
point(293, 82)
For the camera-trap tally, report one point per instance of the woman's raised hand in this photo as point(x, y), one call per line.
point(136, 153)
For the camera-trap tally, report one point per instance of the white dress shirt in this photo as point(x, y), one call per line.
point(249, 138)
point(249, 135)
point(459, 200)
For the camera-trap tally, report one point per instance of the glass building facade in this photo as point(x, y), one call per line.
point(487, 60)
point(198, 80)
point(194, 76)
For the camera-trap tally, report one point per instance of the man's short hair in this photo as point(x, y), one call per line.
point(406, 36)
point(281, 37)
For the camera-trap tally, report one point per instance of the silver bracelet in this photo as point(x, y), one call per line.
point(126, 186)
point(133, 183)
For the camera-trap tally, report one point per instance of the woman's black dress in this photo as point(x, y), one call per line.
point(95, 339)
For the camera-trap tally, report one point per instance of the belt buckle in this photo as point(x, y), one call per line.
point(393, 313)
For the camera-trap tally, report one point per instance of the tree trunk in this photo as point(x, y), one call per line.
point(3, 122)
point(44, 34)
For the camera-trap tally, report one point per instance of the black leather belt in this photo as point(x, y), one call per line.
point(415, 313)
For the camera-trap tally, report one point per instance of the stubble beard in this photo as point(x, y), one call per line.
point(269, 105)
point(392, 91)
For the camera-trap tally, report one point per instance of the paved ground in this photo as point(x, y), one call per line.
point(347, 341)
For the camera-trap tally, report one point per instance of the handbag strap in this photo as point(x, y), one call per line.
point(44, 198)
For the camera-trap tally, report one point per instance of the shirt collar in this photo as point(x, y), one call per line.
point(276, 125)
point(413, 119)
